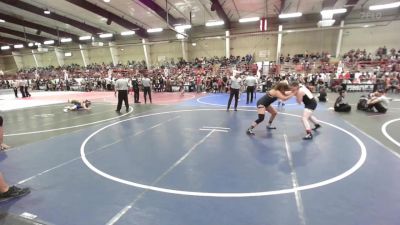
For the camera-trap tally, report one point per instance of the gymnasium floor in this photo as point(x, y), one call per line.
point(186, 161)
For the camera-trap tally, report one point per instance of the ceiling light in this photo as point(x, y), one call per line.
point(290, 15)
point(38, 44)
point(68, 54)
point(107, 0)
point(180, 36)
point(194, 44)
point(214, 23)
point(47, 12)
point(49, 42)
point(126, 33)
point(154, 30)
point(385, 6)
point(84, 38)
point(30, 44)
point(2, 21)
point(333, 11)
point(64, 40)
point(250, 19)
point(106, 35)
point(325, 23)
point(183, 27)
point(19, 46)
point(5, 47)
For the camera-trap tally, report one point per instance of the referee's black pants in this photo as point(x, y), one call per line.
point(136, 95)
point(250, 91)
point(147, 91)
point(123, 96)
point(234, 92)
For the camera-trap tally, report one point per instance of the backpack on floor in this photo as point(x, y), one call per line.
point(362, 103)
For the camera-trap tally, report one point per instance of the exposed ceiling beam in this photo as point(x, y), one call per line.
point(39, 11)
point(22, 35)
point(350, 6)
point(161, 12)
point(282, 7)
point(216, 6)
point(39, 27)
point(11, 41)
point(111, 16)
point(328, 4)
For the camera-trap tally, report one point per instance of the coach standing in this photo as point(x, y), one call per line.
point(251, 83)
point(122, 86)
point(146, 82)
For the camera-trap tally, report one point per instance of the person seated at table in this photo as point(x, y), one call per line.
point(378, 101)
point(340, 104)
point(78, 105)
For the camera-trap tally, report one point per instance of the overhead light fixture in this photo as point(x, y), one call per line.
point(214, 23)
point(250, 19)
point(108, 35)
point(154, 30)
point(290, 15)
point(107, 0)
point(127, 33)
point(2, 21)
point(180, 36)
point(47, 12)
point(333, 11)
point(65, 40)
point(5, 47)
point(384, 6)
point(68, 54)
point(194, 44)
point(30, 44)
point(19, 46)
point(49, 42)
point(325, 23)
point(38, 44)
point(84, 38)
point(183, 27)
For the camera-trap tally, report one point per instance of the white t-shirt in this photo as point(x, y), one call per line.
point(251, 81)
point(384, 101)
point(236, 82)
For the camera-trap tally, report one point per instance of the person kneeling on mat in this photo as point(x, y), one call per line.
point(322, 95)
point(340, 104)
point(379, 102)
point(78, 105)
point(279, 91)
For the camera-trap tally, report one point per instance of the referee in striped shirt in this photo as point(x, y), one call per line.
point(122, 87)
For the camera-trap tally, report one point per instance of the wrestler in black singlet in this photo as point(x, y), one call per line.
point(266, 100)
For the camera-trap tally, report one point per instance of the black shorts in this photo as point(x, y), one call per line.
point(1, 121)
point(312, 105)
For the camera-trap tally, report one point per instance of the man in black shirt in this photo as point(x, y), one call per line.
point(135, 87)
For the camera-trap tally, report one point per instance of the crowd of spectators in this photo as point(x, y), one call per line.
point(381, 53)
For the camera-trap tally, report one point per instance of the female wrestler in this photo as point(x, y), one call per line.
point(310, 104)
point(279, 91)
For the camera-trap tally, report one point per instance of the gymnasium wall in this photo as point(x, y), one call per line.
point(372, 38)
point(207, 48)
point(315, 41)
point(258, 45)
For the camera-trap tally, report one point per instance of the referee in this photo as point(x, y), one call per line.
point(146, 82)
point(236, 84)
point(122, 86)
point(251, 83)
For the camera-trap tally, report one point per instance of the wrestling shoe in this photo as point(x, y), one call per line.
point(308, 137)
point(14, 192)
point(317, 126)
point(250, 132)
point(270, 127)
